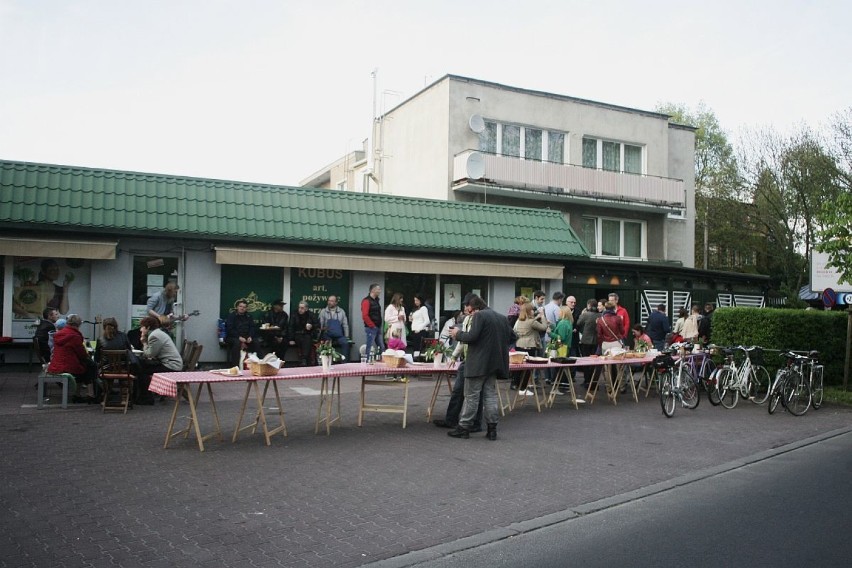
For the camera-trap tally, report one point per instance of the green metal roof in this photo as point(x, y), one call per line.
point(52, 197)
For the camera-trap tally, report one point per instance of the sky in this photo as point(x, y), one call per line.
point(272, 91)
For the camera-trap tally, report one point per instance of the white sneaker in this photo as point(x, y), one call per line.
point(526, 393)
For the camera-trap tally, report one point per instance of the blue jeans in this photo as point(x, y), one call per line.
point(454, 408)
point(474, 389)
point(374, 337)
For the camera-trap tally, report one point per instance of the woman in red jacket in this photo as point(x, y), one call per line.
point(609, 329)
point(70, 356)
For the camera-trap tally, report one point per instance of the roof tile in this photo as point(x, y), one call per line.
point(123, 202)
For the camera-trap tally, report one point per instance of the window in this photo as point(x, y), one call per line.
point(612, 156)
point(590, 153)
point(555, 147)
point(341, 185)
point(589, 234)
point(532, 144)
point(511, 145)
point(614, 237)
point(632, 159)
point(522, 142)
point(488, 138)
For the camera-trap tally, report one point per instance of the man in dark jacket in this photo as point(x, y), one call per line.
point(304, 329)
point(45, 326)
point(241, 333)
point(487, 360)
point(658, 326)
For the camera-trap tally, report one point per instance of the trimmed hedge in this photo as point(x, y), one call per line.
point(782, 330)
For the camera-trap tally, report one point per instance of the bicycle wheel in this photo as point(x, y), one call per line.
point(775, 390)
point(667, 397)
point(711, 385)
point(729, 392)
point(759, 383)
point(816, 387)
point(689, 390)
point(797, 393)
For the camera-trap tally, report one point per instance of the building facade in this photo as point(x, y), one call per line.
point(623, 179)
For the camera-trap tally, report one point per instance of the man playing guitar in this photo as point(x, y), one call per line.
point(161, 306)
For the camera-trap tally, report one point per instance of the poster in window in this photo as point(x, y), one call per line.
point(41, 283)
point(452, 296)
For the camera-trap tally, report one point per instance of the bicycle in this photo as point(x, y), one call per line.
point(790, 386)
point(815, 379)
point(675, 386)
point(705, 372)
point(749, 378)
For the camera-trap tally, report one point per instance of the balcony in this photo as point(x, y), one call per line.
point(476, 172)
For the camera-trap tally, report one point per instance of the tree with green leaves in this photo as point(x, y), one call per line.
point(788, 179)
point(835, 235)
point(718, 242)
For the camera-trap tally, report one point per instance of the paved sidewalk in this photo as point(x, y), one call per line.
point(80, 488)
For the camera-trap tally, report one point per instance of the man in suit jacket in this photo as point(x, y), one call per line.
point(487, 360)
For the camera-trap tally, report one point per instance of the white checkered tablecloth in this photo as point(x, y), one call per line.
point(166, 384)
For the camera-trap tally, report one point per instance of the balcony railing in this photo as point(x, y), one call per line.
point(472, 168)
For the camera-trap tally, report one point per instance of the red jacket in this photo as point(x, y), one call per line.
point(609, 325)
point(69, 354)
point(625, 321)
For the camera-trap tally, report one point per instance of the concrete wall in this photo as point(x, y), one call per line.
point(680, 233)
point(413, 144)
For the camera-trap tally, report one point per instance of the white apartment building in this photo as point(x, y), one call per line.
point(622, 177)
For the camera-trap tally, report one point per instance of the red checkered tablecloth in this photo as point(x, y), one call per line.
point(166, 384)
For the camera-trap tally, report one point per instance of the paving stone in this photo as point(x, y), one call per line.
point(83, 488)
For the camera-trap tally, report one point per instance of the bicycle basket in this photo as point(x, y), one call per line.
point(756, 356)
point(663, 362)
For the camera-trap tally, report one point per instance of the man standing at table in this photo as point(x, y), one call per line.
point(335, 326)
point(454, 407)
point(487, 360)
point(372, 315)
point(658, 327)
point(625, 333)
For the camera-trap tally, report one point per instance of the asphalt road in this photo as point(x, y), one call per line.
point(792, 509)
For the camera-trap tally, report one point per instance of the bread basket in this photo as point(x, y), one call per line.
point(262, 370)
point(393, 361)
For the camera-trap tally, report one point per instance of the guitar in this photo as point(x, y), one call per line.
point(167, 320)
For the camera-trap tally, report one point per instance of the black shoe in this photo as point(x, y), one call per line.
point(443, 424)
point(492, 432)
point(459, 432)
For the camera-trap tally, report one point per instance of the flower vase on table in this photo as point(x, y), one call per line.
point(327, 355)
point(437, 353)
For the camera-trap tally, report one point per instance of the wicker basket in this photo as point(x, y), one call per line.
point(262, 370)
point(393, 361)
point(517, 357)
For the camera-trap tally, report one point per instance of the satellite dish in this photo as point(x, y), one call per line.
point(477, 123)
point(475, 166)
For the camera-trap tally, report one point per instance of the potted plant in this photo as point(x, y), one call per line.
point(438, 352)
point(553, 346)
point(642, 346)
point(328, 354)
